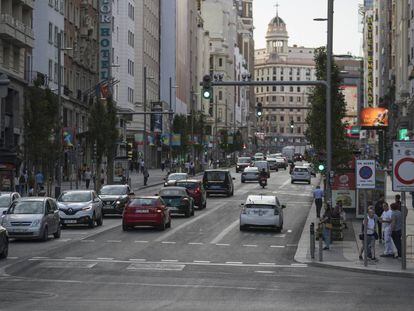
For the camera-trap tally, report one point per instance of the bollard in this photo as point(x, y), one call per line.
point(312, 240)
point(320, 242)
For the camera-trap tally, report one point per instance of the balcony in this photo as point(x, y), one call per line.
point(14, 30)
point(29, 3)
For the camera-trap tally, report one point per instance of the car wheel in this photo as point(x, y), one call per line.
point(125, 227)
point(169, 223)
point(45, 235)
point(92, 221)
point(243, 228)
point(5, 251)
point(187, 213)
point(162, 226)
point(99, 222)
point(58, 233)
point(292, 182)
point(192, 211)
point(205, 204)
point(243, 181)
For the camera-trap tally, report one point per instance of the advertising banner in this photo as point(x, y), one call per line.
point(105, 39)
point(68, 137)
point(139, 139)
point(374, 117)
point(343, 189)
point(176, 140)
point(165, 139)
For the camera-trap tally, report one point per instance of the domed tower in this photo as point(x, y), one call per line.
point(277, 37)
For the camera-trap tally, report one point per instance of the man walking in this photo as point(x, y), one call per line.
point(146, 175)
point(378, 212)
point(396, 226)
point(318, 195)
point(39, 180)
point(88, 176)
point(386, 231)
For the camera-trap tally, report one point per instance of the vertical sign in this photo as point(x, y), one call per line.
point(403, 166)
point(105, 39)
point(365, 174)
point(370, 61)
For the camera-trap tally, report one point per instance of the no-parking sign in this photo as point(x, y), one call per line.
point(403, 166)
point(365, 174)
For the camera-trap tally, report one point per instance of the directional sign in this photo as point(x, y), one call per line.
point(403, 166)
point(365, 174)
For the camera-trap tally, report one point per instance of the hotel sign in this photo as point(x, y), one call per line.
point(370, 61)
point(105, 39)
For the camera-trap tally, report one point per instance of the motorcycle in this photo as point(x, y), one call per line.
point(263, 182)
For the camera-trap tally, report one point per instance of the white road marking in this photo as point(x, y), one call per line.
point(156, 266)
point(104, 258)
point(301, 265)
point(64, 240)
point(169, 260)
point(285, 183)
point(87, 241)
point(113, 241)
point(140, 241)
point(13, 258)
point(221, 244)
point(289, 231)
point(201, 261)
point(196, 243)
point(40, 257)
point(234, 262)
point(264, 272)
point(249, 245)
point(166, 242)
point(266, 263)
point(70, 258)
point(223, 233)
point(183, 225)
point(137, 259)
point(277, 246)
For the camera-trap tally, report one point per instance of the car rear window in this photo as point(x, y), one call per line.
point(172, 193)
point(263, 206)
point(144, 202)
point(215, 176)
point(301, 169)
point(188, 185)
point(243, 160)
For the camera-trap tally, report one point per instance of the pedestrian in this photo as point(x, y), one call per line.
point(102, 177)
point(396, 227)
point(22, 184)
point(146, 176)
point(16, 184)
point(386, 230)
point(87, 176)
point(318, 196)
point(142, 166)
point(139, 165)
point(162, 165)
point(39, 180)
point(378, 211)
point(326, 224)
point(192, 168)
point(398, 201)
point(372, 234)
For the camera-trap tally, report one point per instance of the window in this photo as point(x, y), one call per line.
point(299, 130)
point(291, 99)
point(282, 88)
point(131, 13)
point(131, 39)
point(220, 95)
point(282, 118)
point(274, 89)
point(56, 74)
point(298, 119)
point(130, 95)
point(282, 130)
point(50, 33)
point(299, 100)
point(298, 89)
point(131, 67)
point(220, 62)
point(291, 89)
point(56, 35)
point(274, 98)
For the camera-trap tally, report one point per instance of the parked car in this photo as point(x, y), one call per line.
point(173, 178)
point(263, 165)
point(262, 211)
point(272, 164)
point(32, 217)
point(178, 200)
point(114, 198)
point(196, 190)
point(281, 163)
point(4, 243)
point(300, 173)
point(250, 174)
point(242, 163)
point(218, 182)
point(146, 211)
point(6, 199)
point(80, 207)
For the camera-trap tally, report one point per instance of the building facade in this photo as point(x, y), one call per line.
point(284, 107)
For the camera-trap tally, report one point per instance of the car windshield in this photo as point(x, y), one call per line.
point(4, 201)
point(113, 190)
point(75, 197)
point(301, 169)
point(187, 185)
point(263, 206)
point(261, 164)
point(172, 193)
point(144, 202)
point(177, 176)
point(251, 169)
point(215, 176)
point(243, 160)
point(26, 207)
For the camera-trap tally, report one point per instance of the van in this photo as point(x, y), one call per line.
point(218, 182)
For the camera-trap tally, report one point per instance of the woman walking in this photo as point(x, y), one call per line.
point(326, 227)
point(371, 222)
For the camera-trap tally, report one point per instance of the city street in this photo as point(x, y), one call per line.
point(201, 263)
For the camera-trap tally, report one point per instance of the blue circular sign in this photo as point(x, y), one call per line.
point(365, 172)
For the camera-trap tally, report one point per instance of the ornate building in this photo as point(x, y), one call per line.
point(284, 107)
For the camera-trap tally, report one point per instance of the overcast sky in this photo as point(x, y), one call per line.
point(303, 31)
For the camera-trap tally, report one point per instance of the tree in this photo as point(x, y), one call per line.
point(316, 119)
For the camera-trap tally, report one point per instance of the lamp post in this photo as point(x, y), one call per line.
point(145, 110)
point(59, 114)
point(170, 119)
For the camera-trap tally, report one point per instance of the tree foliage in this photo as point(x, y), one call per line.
point(316, 119)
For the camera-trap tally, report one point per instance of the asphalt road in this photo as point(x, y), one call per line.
point(201, 263)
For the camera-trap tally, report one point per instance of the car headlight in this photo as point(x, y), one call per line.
point(87, 208)
point(118, 202)
point(36, 222)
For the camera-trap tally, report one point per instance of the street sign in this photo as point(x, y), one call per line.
point(403, 166)
point(365, 174)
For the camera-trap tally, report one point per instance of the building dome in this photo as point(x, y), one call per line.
point(277, 21)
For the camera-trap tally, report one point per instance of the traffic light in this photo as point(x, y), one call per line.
point(321, 167)
point(259, 109)
point(292, 124)
point(207, 88)
point(130, 151)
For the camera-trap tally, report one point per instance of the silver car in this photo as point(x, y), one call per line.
point(6, 199)
point(301, 173)
point(262, 211)
point(80, 207)
point(32, 217)
point(250, 174)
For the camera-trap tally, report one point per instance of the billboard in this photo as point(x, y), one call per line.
point(105, 39)
point(374, 117)
point(351, 100)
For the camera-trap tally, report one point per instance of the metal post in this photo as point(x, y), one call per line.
point(403, 231)
point(144, 92)
point(234, 123)
point(329, 98)
point(192, 126)
point(59, 115)
point(365, 229)
point(170, 127)
point(215, 134)
point(312, 240)
point(321, 242)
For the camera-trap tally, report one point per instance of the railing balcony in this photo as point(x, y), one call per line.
point(16, 31)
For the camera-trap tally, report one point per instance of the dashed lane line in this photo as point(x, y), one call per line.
point(140, 241)
point(234, 262)
point(113, 241)
point(104, 258)
point(87, 241)
point(223, 233)
point(169, 260)
point(265, 271)
point(222, 244)
point(284, 184)
point(137, 259)
point(168, 242)
point(195, 243)
point(249, 245)
point(277, 246)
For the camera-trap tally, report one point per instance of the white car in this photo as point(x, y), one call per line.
point(262, 211)
point(301, 173)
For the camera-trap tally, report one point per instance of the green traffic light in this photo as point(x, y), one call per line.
point(207, 94)
point(259, 113)
point(321, 167)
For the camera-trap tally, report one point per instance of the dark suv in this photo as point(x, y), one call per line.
point(218, 182)
point(196, 190)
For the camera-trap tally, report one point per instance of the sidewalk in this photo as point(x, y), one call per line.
point(344, 254)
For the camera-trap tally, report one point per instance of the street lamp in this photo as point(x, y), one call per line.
point(145, 116)
point(170, 119)
point(59, 114)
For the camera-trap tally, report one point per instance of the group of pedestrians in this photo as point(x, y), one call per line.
point(385, 227)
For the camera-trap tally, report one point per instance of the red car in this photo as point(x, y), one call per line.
point(146, 211)
point(196, 190)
